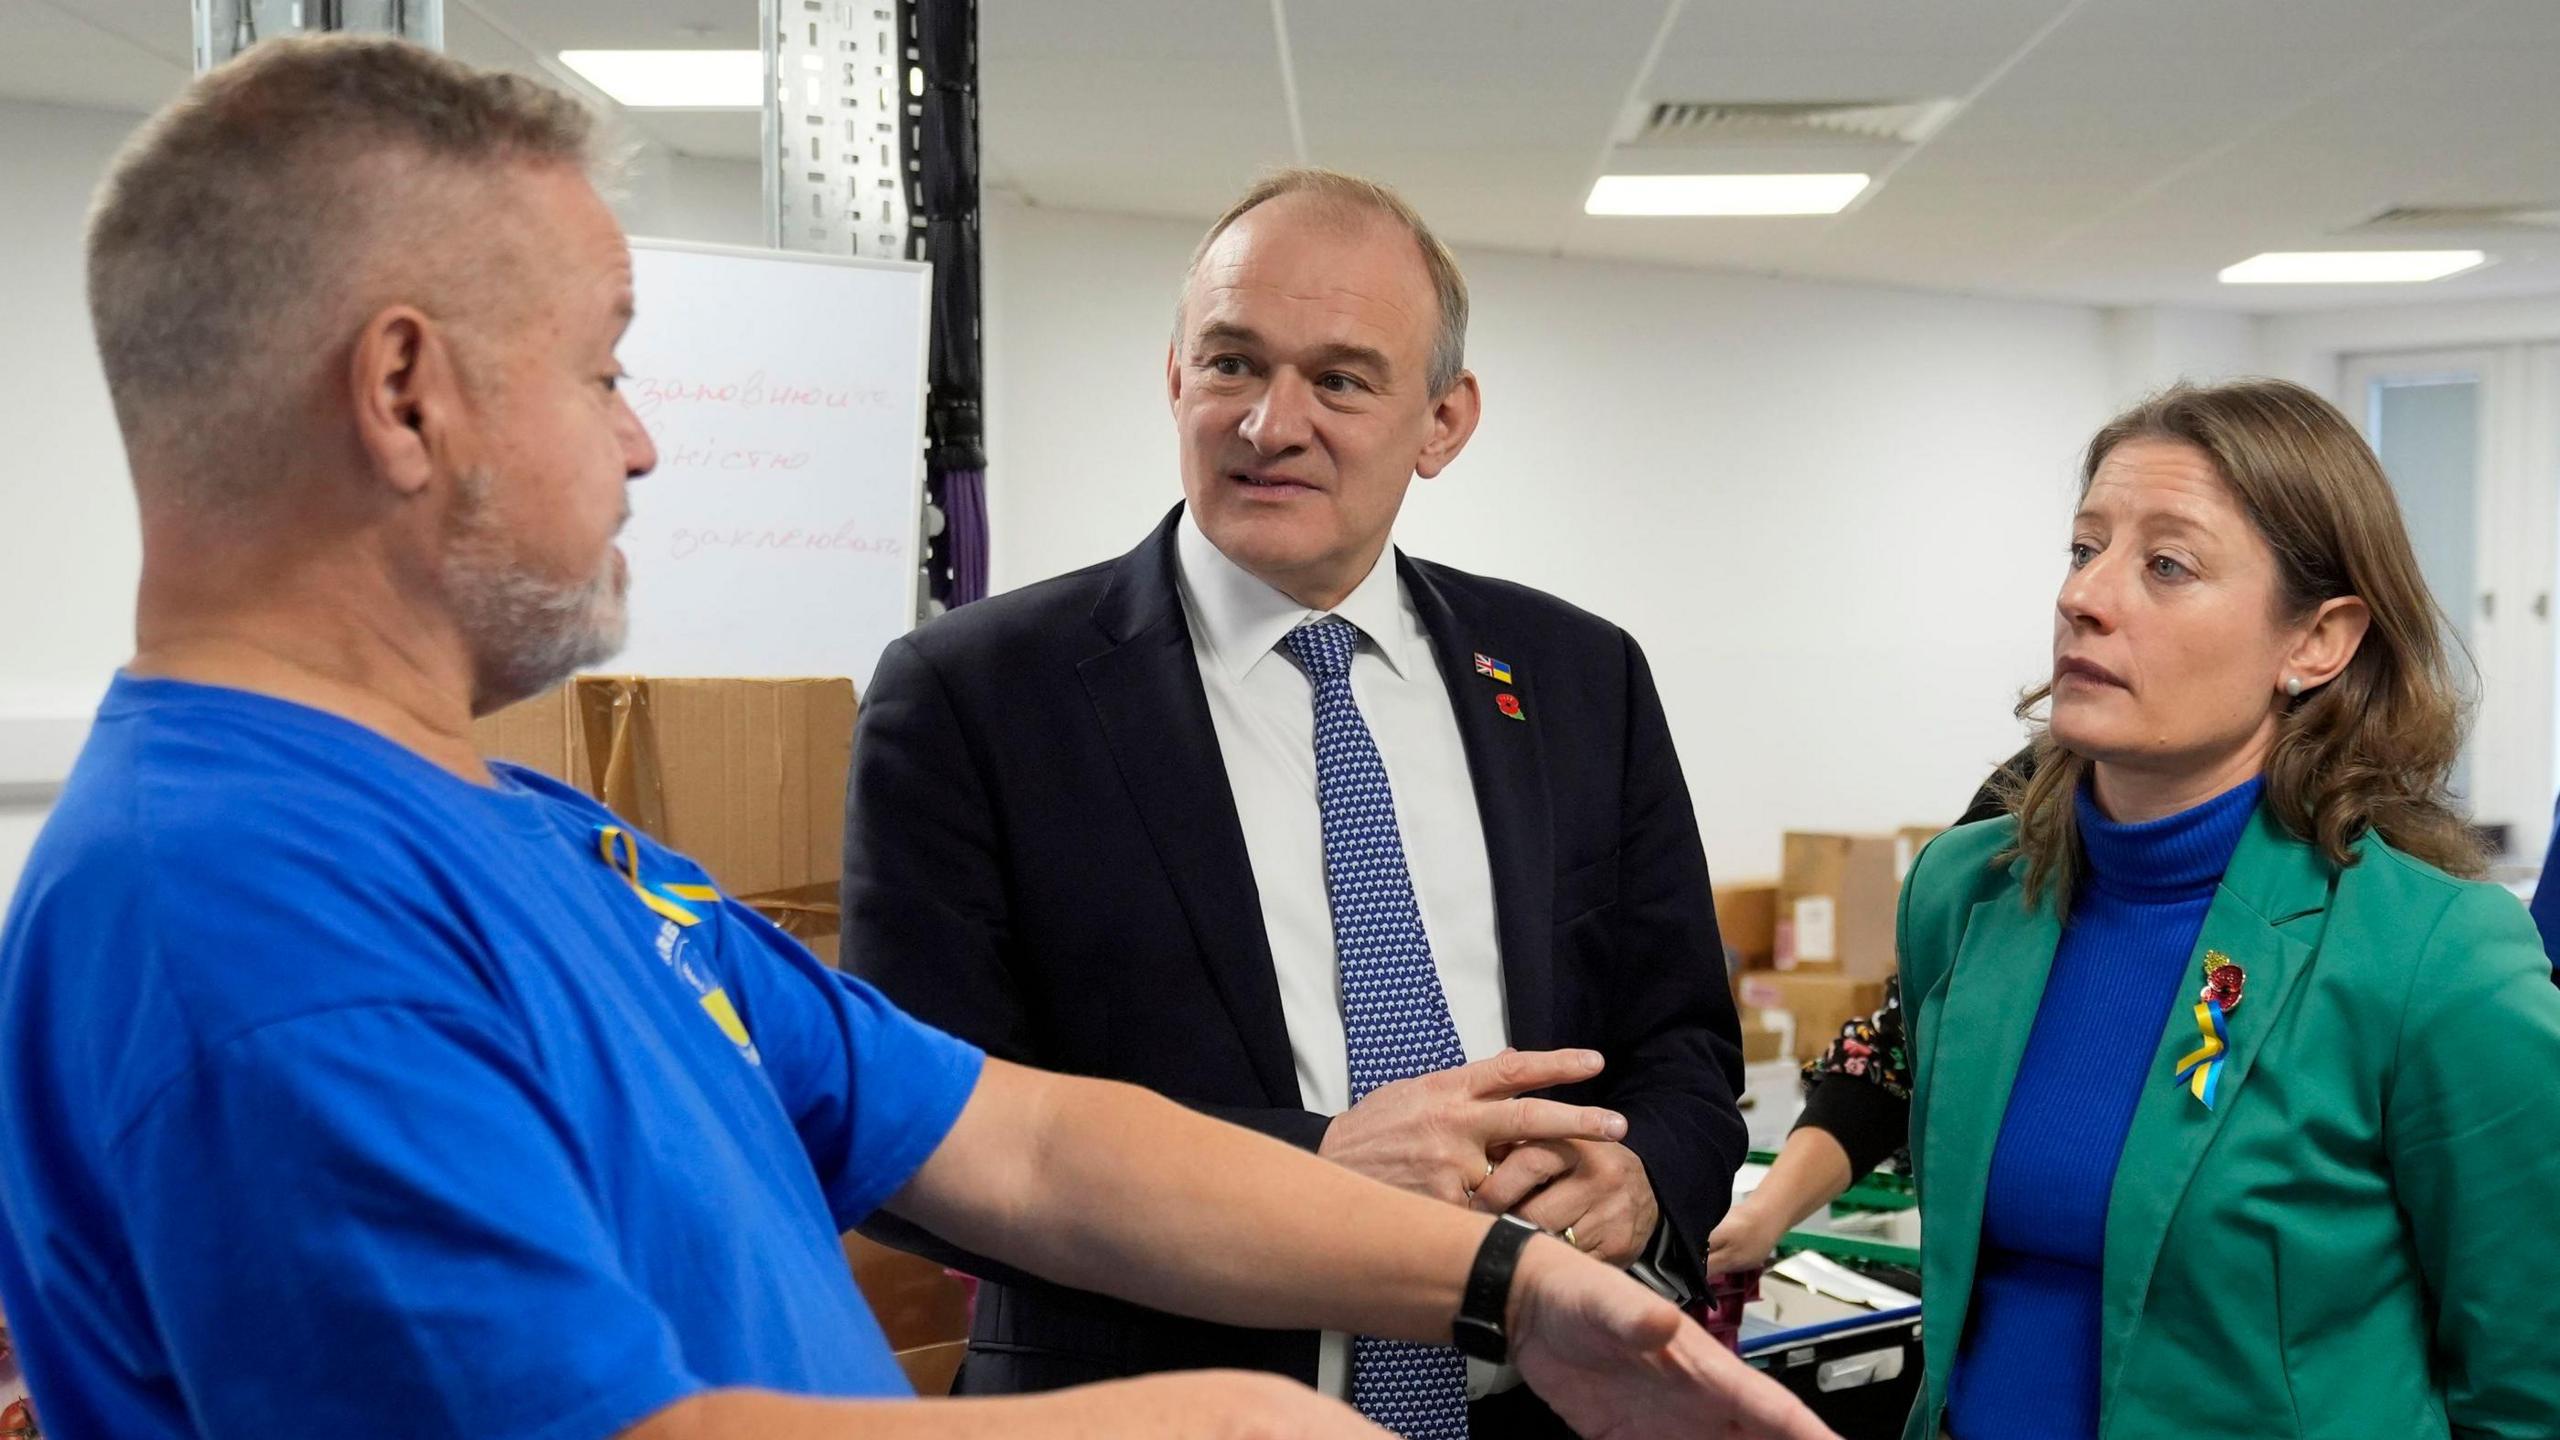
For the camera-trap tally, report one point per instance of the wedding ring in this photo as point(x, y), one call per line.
point(1569, 1240)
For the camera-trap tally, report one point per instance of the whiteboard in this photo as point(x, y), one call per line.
point(785, 393)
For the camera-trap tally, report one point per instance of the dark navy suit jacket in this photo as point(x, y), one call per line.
point(1042, 855)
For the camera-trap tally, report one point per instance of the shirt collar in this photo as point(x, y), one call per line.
point(1243, 618)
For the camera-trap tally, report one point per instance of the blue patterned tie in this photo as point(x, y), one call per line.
point(1395, 1021)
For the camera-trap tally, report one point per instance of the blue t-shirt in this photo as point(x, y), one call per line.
point(2546, 898)
point(341, 1096)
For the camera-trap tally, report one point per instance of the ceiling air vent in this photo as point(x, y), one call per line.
point(2461, 217)
point(1856, 122)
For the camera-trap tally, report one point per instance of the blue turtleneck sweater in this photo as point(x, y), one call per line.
point(2028, 1365)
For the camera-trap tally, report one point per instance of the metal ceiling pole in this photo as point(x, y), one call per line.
point(224, 28)
point(870, 148)
point(943, 187)
point(835, 107)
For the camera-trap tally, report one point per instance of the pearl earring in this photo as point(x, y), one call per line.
point(2293, 685)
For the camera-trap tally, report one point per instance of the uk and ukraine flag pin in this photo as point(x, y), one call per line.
point(1500, 673)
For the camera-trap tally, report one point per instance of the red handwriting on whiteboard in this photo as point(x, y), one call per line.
point(681, 455)
point(850, 538)
point(656, 394)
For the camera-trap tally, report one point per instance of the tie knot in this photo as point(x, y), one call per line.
point(1324, 646)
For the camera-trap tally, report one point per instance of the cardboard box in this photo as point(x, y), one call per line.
point(746, 777)
point(1760, 1043)
point(1821, 1004)
point(1836, 904)
point(923, 1310)
point(1747, 918)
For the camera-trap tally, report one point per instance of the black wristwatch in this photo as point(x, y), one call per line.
point(1478, 1330)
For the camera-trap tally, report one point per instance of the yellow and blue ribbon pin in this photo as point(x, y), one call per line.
point(622, 852)
point(2200, 1070)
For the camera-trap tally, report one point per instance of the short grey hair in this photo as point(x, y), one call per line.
point(1351, 195)
point(239, 230)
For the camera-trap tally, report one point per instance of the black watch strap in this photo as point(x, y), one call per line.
point(1479, 1331)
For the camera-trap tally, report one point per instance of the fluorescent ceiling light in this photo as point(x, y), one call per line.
point(674, 79)
point(1723, 194)
point(2350, 267)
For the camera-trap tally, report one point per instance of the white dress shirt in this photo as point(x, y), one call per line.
point(1263, 708)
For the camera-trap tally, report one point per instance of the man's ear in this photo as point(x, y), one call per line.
point(1453, 420)
point(406, 395)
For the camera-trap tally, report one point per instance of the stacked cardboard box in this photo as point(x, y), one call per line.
point(1747, 915)
point(922, 1308)
point(1830, 946)
point(1836, 898)
point(1760, 1041)
point(1821, 1004)
point(1747, 918)
point(746, 777)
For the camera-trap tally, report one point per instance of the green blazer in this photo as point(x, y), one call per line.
point(2361, 1239)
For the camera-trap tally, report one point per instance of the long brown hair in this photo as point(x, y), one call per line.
point(2373, 748)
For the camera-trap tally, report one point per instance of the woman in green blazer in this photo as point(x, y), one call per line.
point(2236, 1112)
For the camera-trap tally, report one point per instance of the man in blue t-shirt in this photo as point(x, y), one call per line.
point(2546, 899)
point(353, 1086)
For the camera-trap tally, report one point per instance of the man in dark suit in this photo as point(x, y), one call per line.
point(1290, 827)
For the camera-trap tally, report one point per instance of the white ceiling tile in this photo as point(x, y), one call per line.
point(557, 25)
point(67, 55)
point(162, 30)
point(1989, 28)
point(1236, 32)
point(2505, 27)
point(2258, 27)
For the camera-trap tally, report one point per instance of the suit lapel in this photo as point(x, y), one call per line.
point(1969, 1058)
point(1154, 714)
point(1507, 765)
point(2266, 917)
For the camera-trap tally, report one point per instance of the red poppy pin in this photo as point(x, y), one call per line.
point(2223, 981)
point(1509, 704)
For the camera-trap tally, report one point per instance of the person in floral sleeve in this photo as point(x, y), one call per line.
point(17, 1414)
point(1857, 1108)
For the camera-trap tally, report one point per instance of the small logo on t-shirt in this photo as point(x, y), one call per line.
point(671, 903)
point(676, 951)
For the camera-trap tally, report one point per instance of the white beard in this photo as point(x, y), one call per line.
point(526, 633)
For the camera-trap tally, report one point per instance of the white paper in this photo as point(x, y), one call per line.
point(1824, 1276)
point(1817, 929)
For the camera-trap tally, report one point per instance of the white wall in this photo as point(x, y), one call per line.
point(69, 554)
point(1832, 515)
point(2153, 345)
point(678, 197)
point(2307, 348)
point(68, 549)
